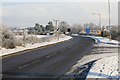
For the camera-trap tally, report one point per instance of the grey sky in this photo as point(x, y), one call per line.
point(24, 14)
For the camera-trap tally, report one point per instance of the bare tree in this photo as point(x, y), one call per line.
point(92, 26)
point(76, 28)
point(63, 26)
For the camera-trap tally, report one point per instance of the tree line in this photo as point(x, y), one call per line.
point(63, 28)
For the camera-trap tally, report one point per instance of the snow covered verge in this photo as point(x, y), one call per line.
point(105, 42)
point(89, 58)
point(54, 40)
point(105, 55)
point(107, 65)
point(105, 68)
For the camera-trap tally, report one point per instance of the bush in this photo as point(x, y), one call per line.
point(18, 41)
point(35, 39)
point(114, 34)
point(8, 43)
point(8, 40)
point(32, 39)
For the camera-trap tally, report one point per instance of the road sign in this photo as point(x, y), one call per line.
point(88, 30)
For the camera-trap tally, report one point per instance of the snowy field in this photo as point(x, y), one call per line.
point(4, 51)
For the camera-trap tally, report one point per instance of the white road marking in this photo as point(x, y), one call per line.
point(28, 64)
point(35, 61)
point(23, 66)
point(51, 55)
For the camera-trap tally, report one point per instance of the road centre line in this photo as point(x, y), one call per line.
point(28, 64)
point(51, 55)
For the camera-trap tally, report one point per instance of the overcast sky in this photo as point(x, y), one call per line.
point(26, 14)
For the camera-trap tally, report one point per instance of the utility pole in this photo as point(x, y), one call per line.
point(56, 29)
point(109, 17)
point(24, 37)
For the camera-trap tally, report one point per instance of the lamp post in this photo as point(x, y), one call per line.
point(99, 18)
point(109, 17)
point(0, 37)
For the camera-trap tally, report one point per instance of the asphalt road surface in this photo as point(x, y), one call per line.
point(48, 62)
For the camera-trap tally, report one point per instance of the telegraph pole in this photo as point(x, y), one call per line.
point(24, 37)
point(56, 30)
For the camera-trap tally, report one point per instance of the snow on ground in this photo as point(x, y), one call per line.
point(106, 54)
point(90, 58)
point(104, 40)
point(4, 51)
point(105, 68)
point(106, 45)
point(75, 34)
point(41, 36)
point(38, 36)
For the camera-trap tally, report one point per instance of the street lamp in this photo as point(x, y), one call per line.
point(99, 18)
point(109, 17)
point(0, 37)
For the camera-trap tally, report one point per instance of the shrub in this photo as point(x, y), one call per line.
point(31, 39)
point(114, 34)
point(18, 41)
point(8, 40)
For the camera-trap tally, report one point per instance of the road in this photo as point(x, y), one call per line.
point(50, 61)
